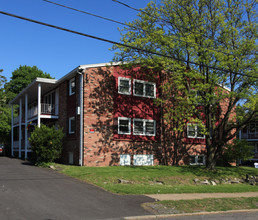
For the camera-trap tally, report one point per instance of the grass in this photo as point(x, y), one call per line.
point(202, 205)
point(174, 179)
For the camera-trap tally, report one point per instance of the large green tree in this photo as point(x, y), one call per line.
point(5, 113)
point(21, 78)
point(212, 45)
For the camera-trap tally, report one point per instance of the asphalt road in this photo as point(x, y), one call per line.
point(28, 193)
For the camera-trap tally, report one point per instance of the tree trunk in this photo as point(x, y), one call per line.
point(211, 155)
point(210, 161)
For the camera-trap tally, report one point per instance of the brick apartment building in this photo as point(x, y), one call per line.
point(250, 134)
point(107, 113)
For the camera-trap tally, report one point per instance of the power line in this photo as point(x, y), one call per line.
point(131, 26)
point(117, 43)
point(84, 12)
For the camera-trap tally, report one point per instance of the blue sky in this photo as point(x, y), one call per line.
point(55, 51)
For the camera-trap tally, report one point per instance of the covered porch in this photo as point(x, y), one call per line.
point(38, 101)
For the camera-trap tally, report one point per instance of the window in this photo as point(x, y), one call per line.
point(255, 146)
point(144, 127)
point(49, 98)
point(144, 89)
point(72, 86)
point(253, 127)
point(194, 131)
point(71, 125)
point(124, 86)
point(197, 96)
point(197, 160)
point(124, 125)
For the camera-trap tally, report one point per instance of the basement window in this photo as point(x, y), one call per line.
point(197, 160)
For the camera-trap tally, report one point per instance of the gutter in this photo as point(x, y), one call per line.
point(81, 73)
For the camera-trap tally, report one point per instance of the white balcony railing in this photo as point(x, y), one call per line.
point(46, 109)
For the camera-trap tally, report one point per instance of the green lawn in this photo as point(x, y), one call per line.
point(174, 179)
point(202, 205)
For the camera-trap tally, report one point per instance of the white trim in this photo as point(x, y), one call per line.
point(20, 127)
point(100, 65)
point(195, 131)
point(69, 126)
point(70, 86)
point(39, 104)
point(37, 80)
point(57, 101)
point(26, 131)
point(144, 127)
point(144, 90)
point(12, 131)
point(50, 116)
point(129, 125)
point(130, 85)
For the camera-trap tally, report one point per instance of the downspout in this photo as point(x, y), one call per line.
point(80, 72)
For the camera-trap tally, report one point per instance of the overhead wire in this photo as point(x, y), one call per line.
point(120, 44)
point(131, 26)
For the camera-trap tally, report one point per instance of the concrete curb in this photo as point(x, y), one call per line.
point(187, 214)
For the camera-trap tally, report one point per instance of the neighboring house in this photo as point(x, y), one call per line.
point(250, 133)
point(108, 116)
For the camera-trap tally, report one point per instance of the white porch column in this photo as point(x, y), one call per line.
point(57, 102)
point(20, 128)
point(26, 131)
point(12, 132)
point(39, 103)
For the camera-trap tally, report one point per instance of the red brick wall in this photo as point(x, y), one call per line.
point(102, 105)
point(67, 108)
point(102, 145)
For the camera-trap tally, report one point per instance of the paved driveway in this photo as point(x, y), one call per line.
point(29, 192)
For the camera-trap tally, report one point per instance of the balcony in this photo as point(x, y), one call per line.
point(46, 109)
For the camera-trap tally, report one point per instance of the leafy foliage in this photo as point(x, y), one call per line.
point(238, 149)
point(21, 78)
point(5, 113)
point(210, 47)
point(46, 143)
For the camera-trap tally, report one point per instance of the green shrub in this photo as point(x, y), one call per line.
point(46, 143)
point(239, 149)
